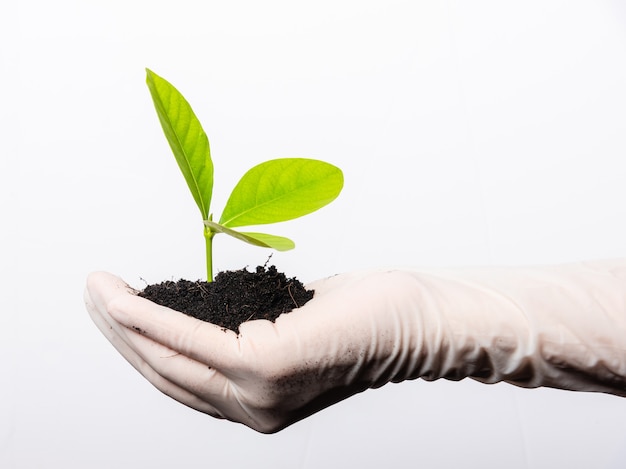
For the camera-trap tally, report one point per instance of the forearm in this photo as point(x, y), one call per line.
point(562, 326)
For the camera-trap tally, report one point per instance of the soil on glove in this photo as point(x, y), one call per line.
point(233, 297)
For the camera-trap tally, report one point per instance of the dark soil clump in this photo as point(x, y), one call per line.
point(233, 297)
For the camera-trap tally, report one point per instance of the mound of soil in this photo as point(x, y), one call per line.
point(234, 297)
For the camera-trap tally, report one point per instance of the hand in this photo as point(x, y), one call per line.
point(272, 374)
point(562, 326)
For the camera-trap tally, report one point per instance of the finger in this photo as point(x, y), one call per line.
point(193, 376)
point(109, 328)
point(190, 382)
point(196, 339)
point(175, 375)
point(102, 287)
point(167, 387)
point(112, 330)
point(184, 397)
point(126, 346)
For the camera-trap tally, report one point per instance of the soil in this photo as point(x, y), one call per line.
point(234, 296)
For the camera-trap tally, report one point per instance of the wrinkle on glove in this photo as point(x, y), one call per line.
point(561, 326)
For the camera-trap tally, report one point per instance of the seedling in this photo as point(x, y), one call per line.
point(271, 192)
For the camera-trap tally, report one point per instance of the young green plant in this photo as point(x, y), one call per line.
point(271, 192)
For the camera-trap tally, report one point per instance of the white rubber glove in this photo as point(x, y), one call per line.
point(561, 326)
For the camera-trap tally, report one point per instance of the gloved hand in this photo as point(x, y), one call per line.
point(561, 326)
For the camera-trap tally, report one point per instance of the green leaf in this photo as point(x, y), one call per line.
point(280, 243)
point(187, 140)
point(280, 190)
point(258, 239)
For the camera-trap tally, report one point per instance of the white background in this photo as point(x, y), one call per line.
point(470, 133)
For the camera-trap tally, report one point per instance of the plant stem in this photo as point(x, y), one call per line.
point(208, 238)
